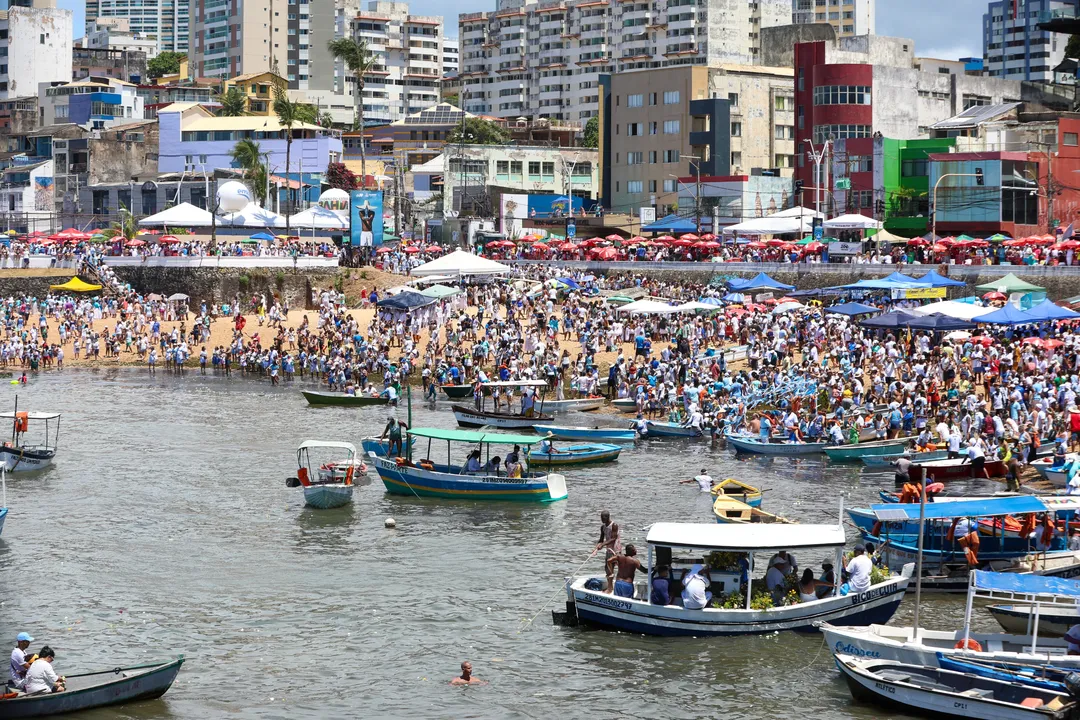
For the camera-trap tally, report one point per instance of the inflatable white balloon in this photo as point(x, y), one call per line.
point(233, 196)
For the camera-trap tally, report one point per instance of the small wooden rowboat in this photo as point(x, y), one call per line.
point(879, 462)
point(753, 445)
point(852, 453)
point(587, 404)
point(576, 454)
point(626, 405)
point(341, 399)
point(457, 392)
point(738, 490)
point(98, 689)
point(593, 434)
point(729, 510)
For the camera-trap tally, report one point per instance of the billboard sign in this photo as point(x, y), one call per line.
point(366, 213)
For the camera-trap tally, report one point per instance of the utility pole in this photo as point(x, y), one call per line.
point(696, 162)
point(817, 156)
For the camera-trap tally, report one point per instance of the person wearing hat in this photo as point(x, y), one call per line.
point(19, 662)
point(858, 570)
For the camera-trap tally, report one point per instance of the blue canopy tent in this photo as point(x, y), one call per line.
point(812, 292)
point(852, 309)
point(884, 284)
point(762, 282)
point(711, 301)
point(736, 283)
point(672, 224)
point(734, 298)
point(570, 283)
point(936, 280)
point(895, 319)
point(1047, 310)
point(262, 236)
point(937, 322)
point(900, 278)
point(1008, 315)
point(406, 300)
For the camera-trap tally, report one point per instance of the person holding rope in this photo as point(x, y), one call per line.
point(611, 542)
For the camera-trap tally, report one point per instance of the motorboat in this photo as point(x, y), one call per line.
point(882, 462)
point(626, 405)
point(582, 454)
point(478, 417)
point(327, 482)
point(22, 455)
point(585, 404)
point(449, 480)
point(1053, 621)
point(854, 453)
point(955, 469)
point(588, 434)
point(728, 551)
point(457, 392)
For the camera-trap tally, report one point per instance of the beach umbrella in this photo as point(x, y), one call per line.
point(566, 247)
point(708, 236)
point(411, 250)
point(383, 250)
point(814, 247)
point(1044, 343)
point(689, 236)
point(433, 249)
point(998, 237)
point(775, 242)
point(995, 295)
point(712, 245)
point(541, 246)
point(757, 245)
point(494, 244)
point(683, 242)
point(958, 335)
point(607, 254)
point(638, 240)
point(939, 248)
point(918, 242)
point(168, 239)
point(1066, 245)
point(136, 242)
point(615, 238)
point(665, 239)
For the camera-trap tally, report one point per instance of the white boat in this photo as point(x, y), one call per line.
point(1053, 621)
point(1044, 464)
point(473, 417)
point(626, 405)
point(575, 404)
point(686, 545)
point(669, 429)
point(919, 646)
point(756, 446)
point(919, 690)
point(590, 434)
point(20, 455)
point(327, 483)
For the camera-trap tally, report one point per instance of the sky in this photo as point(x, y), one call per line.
point(946, 29)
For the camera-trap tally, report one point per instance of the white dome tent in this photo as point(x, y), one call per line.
point(182, 215)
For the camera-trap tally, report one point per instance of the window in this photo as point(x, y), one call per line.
point(736, 129)
point(1069, 139)
point(783, 161)
point(652, 98)
point(671, 127)
point(785, 132)
point(515, 167)
point(736, 159)
point(824, 132)
point(149, 202)
point(502, 167)
point(633, 129)
point(671, 156)
point(101, 202)
point(842, 95)
point(915, 168)
point(784, 104)
point(801, 120)
point(652, 186)
point(633, 186)
point(634, 158)
point(635, 101)
point(549, 168)
point(860, 163)
point(671, 97)
point(733, 99)
point(652, 157)
point(534, 168)
point(670, 186)
point(652, 127)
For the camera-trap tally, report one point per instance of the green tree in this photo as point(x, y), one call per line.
point(166, 63)
point(477, 131)
point(233, 103)
point(452, 100)
point(248, 157)
point(340, 177)
point(359, 61)
point(591, 136)
point(326, 120)
point(291, 113)
point(126, 227)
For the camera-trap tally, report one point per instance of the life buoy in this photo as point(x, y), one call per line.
point(969, 644)
point(22, 422)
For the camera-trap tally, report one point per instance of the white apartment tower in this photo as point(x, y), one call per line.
point(167, 21)
point(35, 48)
point(544, 58)
point(451, 63)
point(410, 51)
point(848, 17)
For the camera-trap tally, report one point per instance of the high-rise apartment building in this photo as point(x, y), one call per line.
point(35, 48)
point(1014, 47)
point(411, 59)
point(288, 37)
point(167, 21)
point(451, 57)
point(848, 17)
point(544, 59)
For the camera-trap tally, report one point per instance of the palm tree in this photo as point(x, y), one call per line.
point(326, 119)
point(125, 227)
point(289, 114)
point(248, 156)
point(359, 61)
point(233, 103)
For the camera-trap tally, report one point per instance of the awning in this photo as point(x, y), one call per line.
point(75, 285)
point(745, 538)
point(1047, 310)
point(476, 436)
point(1008, 315)
point(407, 300)
point(937, 280)
point(1009, 284)
point(1025, 584)
point(986, 507)
point(852, 308)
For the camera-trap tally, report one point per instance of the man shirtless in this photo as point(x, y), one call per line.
point(466, 677)
point(627, 564)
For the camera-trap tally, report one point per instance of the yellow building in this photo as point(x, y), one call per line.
point(258, 88)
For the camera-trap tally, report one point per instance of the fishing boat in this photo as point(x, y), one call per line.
point(1044, 676)
point(20, 455)
point(919, 690)
point(853, 453)
point(626, 405)
point(425, 478)
point(1019, 619)
point(589, 434)
point(955, 469)
point(689, 546)
point(755, 445)
point(739, 490)
point(669, 429)
point(1059, 476)
point(86, 691)
point(472, 417)
point(327, 483)
point(457, 392)
point(587, 404)
point(919, 646)
point(728, 509)
point(881, 462)
point(315, 397)
point(377, 445)
point(1043, 464)
point(575, 454)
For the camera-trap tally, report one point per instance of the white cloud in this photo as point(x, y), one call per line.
point(948, 53)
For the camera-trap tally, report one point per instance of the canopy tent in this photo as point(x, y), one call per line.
point(939, 323)
point(1009, 284)
point(888, 237)
point(1008, 315)
point(439, 291)
point(852, 309)
point(953, 309)
point(252, 216)
point(796, 211)
point(75, 285)
point(317, 217)
point(671, 223)
point(182, 215)
point(771, 226)
point(853, 221)
point(895, 319)
point(761, 281)
point(899, 277)
point(406, 300)
point(696, 306)
point(459, 263)
point(884, 284)
point(1047, 310)
point(812, 292)
point(648, 307)
point(936, 280)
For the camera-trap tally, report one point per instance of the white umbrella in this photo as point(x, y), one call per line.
point(787, 307)
point(958, 335)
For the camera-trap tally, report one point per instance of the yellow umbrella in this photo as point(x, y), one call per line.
point(11, 232)
point(75, 285)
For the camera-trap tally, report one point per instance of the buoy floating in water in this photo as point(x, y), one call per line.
point(390, 523)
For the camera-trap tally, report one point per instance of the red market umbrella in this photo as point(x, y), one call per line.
point(682, 242)
point(665, 239)
point(637, 240)
point(411, 250)
point(788, 247)
point(757, 245)
point(775, 242)
point(168, 239)
point(975, 243)
point(769, 301)
point(947, 241)
point(995, 295)
point(939, 248)
point(712, 245)
point(433, 249)
point(1066, 245)
point(689, 236)
point(816, 246)
point(1044, 343)
point(615, 238)
point(566, 247)
point(1048, 238)
point(383, 250)
point(494, 244)
point(541, 246)
point(135, 242)
point(916, 242)
point(607, 254)
point(152, 232)
point(708, 236)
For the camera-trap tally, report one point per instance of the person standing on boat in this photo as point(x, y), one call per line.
point(394, 430)
point(627, 565)
point(19, 662)
point(610, 541)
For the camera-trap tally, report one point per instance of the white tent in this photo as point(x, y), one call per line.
point(182, 215)
point(252, 216)
point(317, 217)
point(648, 307)
point(460, 263)
point(853, 222)
point(953, 309)
point(695, 306)
point(772, 226)
point(797, 211)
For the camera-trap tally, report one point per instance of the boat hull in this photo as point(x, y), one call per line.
point(952, 470)
point(575, 405)
point(144, 683)
point(16, 459)
point(672, 430)
point(577, 455)
point(341, 399)
point(626, 405)
point(3, 517)
point(325, 497)
point(1053, 621)
point(618, 613)
point(417, 482)
point(457, 392)
point(778, 449)
point(597, 434)
point(885, 461)
point(468, 417)
point(853, 453)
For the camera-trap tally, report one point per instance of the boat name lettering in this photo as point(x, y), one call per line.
point(961, 705)
point(873, 594)
point(886, 688)
point(610, 602)
point(843, 648)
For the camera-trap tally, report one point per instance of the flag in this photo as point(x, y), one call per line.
point(1067, 232)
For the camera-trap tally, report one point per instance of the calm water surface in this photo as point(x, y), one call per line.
point(165, 528)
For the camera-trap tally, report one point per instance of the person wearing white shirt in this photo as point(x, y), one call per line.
point(41, 678)
point(858, 569)
point(954, 443)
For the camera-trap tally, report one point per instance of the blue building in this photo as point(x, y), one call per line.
point(1015, 48)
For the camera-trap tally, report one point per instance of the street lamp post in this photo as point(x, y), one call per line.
point(697, 189)
point(933, 225)
point(817, 156)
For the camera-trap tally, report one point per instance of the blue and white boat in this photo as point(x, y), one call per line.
point(327, 481)
point(669, 429)
point(588, 434)
point(683, 546)
point(426, 478)
point(574, 454)
point(756, 446)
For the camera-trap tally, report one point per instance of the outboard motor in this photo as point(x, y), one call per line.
point(1072, 683)
point(295, 482)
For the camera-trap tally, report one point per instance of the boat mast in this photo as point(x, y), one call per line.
point(919, 556)
point(15, 420)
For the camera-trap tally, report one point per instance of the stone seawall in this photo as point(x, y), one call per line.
point(30, 286)
point(214, 285)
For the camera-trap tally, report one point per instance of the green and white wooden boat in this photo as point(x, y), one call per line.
point(853, 453)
